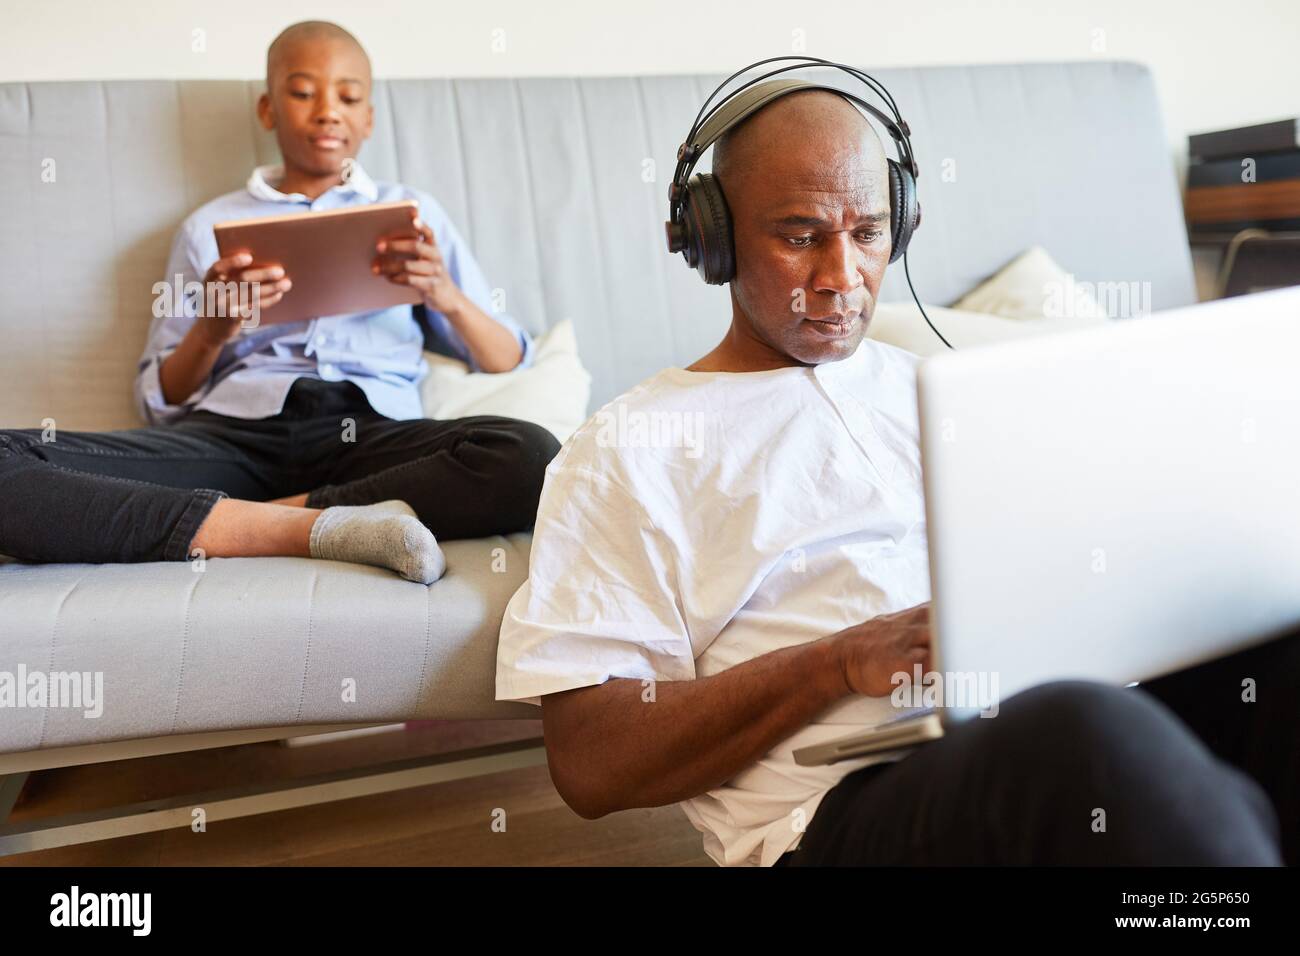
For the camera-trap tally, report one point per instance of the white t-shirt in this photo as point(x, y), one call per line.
point(705, 518)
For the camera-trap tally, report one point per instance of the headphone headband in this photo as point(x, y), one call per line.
point(735, 109)
point(711, 123)
point(801, 62)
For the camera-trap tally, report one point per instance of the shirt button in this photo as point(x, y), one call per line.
point(327, 370)
point(319, 341)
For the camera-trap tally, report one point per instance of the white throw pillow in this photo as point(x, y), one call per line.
point(552, 391)
point(900, 324)
point(1032, 286)
point(1030, 296)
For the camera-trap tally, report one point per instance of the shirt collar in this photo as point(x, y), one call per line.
point(355, 179)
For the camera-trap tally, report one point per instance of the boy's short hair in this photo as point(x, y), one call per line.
point(309, 30)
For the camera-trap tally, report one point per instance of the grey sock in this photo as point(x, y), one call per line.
point(387, 535)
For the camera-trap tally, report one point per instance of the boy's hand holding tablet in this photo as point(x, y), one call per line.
point(223, 321)
point(413, 259)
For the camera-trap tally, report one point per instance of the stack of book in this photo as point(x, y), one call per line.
point(1246, 178)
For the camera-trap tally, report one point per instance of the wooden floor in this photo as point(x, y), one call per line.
point(447, 824)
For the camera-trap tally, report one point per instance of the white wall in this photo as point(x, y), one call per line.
point(1216, 63)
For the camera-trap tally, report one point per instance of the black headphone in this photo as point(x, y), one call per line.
point(699, 222)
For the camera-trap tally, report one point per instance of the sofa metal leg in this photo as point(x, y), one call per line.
point(11, 787)
point(228, 804)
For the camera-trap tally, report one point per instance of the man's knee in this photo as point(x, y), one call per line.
point(1140, 773)
point(1076, 724)
point(1085, 710)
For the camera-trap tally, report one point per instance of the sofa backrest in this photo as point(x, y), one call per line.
point(560, 185)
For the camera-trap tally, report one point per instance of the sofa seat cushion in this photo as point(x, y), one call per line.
point(254, 642)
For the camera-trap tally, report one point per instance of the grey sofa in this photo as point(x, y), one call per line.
point(560, 186)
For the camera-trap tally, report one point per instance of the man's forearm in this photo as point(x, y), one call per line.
point(188, 366)
point(493, 347)
point(616, 746)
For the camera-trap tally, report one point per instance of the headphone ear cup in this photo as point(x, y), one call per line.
point(709, 243)
point(904, 209)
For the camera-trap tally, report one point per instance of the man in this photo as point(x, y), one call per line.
point(694, 615)
point(303, 439)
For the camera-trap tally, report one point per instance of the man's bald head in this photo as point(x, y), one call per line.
point(311, 31)
point(807, 184)
point(815, 126)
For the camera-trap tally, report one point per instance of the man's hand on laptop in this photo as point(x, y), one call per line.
point(872, 652)
point(608, 750)
point(227, 305)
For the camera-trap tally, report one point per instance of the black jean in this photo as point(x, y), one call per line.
point(1180, 770)
point(141, 494)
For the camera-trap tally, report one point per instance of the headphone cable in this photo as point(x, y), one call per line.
point(908, 274)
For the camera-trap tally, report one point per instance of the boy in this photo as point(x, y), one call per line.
point(302, 439)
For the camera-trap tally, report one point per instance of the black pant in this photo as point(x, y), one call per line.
point(140, 495)
point(1184, 771)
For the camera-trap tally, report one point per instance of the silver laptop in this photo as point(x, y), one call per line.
point(1113, 504)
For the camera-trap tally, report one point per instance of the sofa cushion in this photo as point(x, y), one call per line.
point(551, 392)
point(1032, 286)
point(254, 642)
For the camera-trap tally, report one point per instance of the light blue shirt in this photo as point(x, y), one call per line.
point(381, 351)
